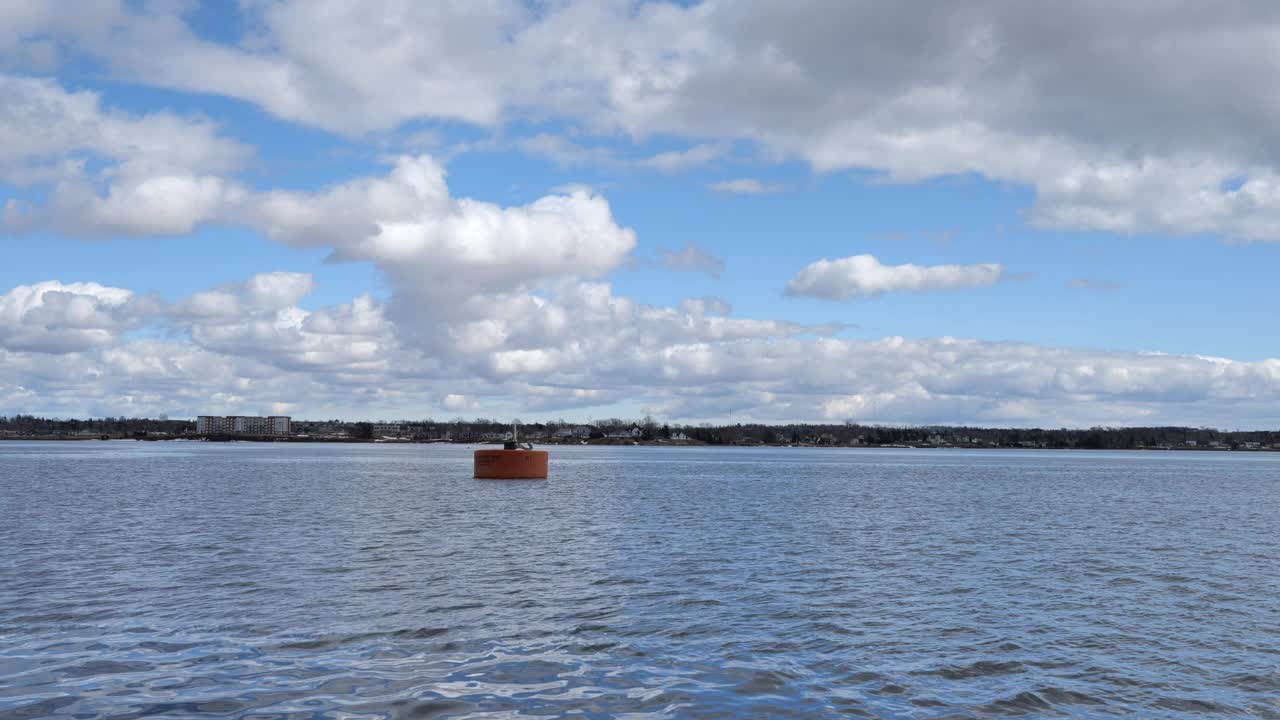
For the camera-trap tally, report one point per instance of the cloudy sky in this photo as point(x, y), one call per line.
point(1001, 213)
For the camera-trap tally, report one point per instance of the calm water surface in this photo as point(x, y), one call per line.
point(330, 581)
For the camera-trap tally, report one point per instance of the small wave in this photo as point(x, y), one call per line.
point(1022, 703)
point(982, 668)
point(94, 668)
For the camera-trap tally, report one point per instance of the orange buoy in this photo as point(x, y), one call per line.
point(515, 464)
point(512, 462)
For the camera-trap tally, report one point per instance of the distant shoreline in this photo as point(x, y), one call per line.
point(634, 443)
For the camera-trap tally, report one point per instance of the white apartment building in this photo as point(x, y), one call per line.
point(247, 425)
point(388, 429)
point(243, 425)
point(214, 425)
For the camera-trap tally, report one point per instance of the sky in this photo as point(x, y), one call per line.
point(987, 213)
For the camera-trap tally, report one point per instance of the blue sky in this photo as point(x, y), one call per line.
point(604, 209)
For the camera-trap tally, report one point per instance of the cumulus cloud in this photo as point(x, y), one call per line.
point(959, 381)
point(264, 293)
point(456, 402)
point(582, 334)
point(866, 276)
point(132, 206)
point(691, 258)
point(1080, 101)
point(58, 317)
point(110, 172)
point(41, 123)
point(248, 347)
point(260, 318)
point(491, 304)
point(546, 348)
point(442, 248)
point(707, 305)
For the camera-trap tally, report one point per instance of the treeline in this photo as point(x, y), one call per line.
point(30, 425)
point(843, 434)
point(649, 430)
point(1097, 438)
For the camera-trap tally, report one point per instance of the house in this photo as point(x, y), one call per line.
point(330, 430)
point(679, 435)
point(580, 432)
point(632, 433)
point(388, 429)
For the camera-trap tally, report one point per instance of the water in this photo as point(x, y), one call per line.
point(354, 581)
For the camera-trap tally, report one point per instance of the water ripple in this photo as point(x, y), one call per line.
point(174, 580)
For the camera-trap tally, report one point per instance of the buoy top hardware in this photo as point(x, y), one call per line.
point(513, 462)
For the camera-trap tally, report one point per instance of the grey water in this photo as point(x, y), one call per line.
point(373, 581)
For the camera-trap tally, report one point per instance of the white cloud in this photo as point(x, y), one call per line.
point(454, 401)
point(25, 24)
point(566, 153)
point(865, 276)
point(265, 293)
point(498, 306)
point(745, 186)
point(160, 173)
point(135, 205)
point(582, 334)
point(578, 347)
point(1081, 101)
point(678, 160)
point(443, 250)
point(691, 258)
point(57, 317)
point(260, 319)
point(42, 124)
point(705, 306)
point(964, 381)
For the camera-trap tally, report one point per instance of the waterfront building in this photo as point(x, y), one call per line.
point(581, 432)
point(243, 425)
point(214, 425)
point(388, 429)
point(632, 433)
point(249, 425)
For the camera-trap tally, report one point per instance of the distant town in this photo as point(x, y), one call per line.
point(617, 431)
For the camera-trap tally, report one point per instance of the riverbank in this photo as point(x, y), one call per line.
point(612, 443)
